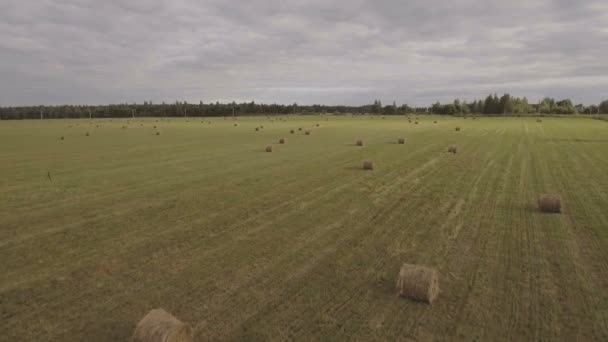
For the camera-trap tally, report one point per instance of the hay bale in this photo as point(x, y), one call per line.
point(261, 126)
point(307, 132)
point(550, 203)
point(160, 326)
point(539, 120)
point(269, 148)
point(453, 149)
point(435, 121)
point(418, 283)
point(282, 141)
point(157, 133)
point(299, 129)
point(318, 125)
point(292, 131)
point(401, 141)
point(257, 129)
point(236, 124)
point(87, 134)
point(368, 165)
point(359, 143)
point(416, 122)
point(457, 129)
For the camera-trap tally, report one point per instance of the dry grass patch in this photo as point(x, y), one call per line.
point(418, 283)
point(160, 326)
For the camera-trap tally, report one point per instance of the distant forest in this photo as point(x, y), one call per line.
point(492, 105)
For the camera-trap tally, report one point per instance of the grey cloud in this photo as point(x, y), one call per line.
point(334, 52)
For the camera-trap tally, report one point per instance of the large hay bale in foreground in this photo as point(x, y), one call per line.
point(359, 143)
point(401, 141)
point(269, 148)
point(418, 283)
point(160, 326)
point(282, 141)
point(550, 203)
point(368, 165)
point(453, 149)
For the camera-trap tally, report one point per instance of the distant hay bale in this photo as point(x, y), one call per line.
point(236, 124)
point(415, 122)
point(539, 120)
point(157, 133)
point(435, 121)
point(299, 129)
point(261, 126)
point(418, 283)
point(282, 141)
point(257, 129)
point(62, 137)
point(410, 121)
point(87, 134)
point(307, 132)
point(457, 129)
point(368, 165)
point(160, 326)
point(453, 149)
point(292, 131)
point(359, 142)
point(269, 148)
point(550, 203)
point(401, 141)
point(318, 125)
point(154, 127)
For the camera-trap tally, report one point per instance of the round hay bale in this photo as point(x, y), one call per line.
point(435, 121)
point(269, 148)
point(87, 134)
point(453, 149)
point(157, 133)
point(401, 141)
point(236, 124)
point(368, 165)
point(307, 132)
point(299, 129)
point(415, 122)
point(457, 129)
point(359, 143)
point(154, 127)
point(257, 129)
point(418, 283)
point(318, 125)
point(282, 141)
point(539, 120)
point(550, 203)
point(292, 131)
point(62, 137)
point(160, 326)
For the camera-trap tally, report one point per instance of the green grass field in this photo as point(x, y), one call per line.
point(301, 243)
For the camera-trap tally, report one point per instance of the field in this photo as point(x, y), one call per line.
point(301, 243)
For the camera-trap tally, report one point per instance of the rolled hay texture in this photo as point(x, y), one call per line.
point(453, 149)
point(268, 148)
point(457, 129)
point(282, 141)
point(418, 283)
point(359, 143)
point(160, 326)
point(401, 141)
point(548, 203)
point(368, 165)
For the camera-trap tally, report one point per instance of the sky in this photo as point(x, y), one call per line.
point(313, 51)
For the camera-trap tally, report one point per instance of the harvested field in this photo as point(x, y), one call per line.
point(301, 244)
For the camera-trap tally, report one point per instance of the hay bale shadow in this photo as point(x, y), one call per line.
point(107, 330)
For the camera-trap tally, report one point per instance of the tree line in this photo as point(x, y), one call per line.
point(492, 105)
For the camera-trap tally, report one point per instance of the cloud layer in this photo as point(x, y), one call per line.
point(313, 51)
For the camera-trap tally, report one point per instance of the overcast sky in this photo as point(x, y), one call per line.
point(309, 51)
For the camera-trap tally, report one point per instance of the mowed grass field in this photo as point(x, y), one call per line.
point(301, 243)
